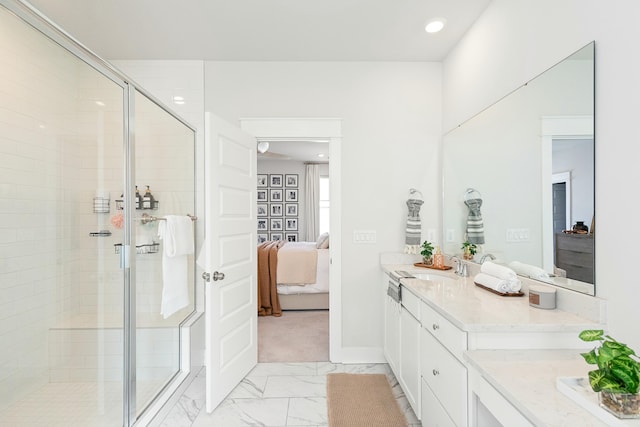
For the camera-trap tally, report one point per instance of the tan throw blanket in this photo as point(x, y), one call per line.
point(268, 302)
point(297, 263)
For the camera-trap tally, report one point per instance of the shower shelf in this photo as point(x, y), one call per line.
point(150, 248)
point(120, 206)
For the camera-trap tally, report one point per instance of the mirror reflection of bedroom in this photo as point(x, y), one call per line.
point(293, 238)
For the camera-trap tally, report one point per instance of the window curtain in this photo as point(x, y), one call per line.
point(312, 202)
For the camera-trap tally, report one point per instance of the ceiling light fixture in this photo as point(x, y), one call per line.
point(179, 100)
point(321, 154)
point(263, 147)
point(434, 25)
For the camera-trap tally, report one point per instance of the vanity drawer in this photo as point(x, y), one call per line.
point(449, 335)
point(445, 376)
point(411, 302)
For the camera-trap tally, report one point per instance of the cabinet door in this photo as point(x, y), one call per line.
point(410, 359)
point(433, 414)
point(392, 334)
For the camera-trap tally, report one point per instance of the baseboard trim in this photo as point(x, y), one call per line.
point(362, 355)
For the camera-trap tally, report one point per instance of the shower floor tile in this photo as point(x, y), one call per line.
point(73, 404)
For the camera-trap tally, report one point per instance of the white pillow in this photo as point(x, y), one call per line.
point(323, 241)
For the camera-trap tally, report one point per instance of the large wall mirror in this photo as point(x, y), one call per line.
point(530, 159)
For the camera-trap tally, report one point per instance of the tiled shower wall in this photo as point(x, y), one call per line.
point(48, 181)
point(57, 148)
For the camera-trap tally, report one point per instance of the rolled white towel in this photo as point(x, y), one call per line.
point(497, 270)
point(498, 284)
point(529, 270)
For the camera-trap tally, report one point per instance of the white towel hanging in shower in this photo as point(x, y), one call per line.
point(177, 234)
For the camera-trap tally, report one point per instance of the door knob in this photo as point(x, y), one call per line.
point(206, 276)
point(218, 276)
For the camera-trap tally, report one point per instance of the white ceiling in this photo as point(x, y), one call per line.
point(264, 30)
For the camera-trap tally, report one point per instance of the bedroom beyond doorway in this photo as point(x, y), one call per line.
point(296, 336)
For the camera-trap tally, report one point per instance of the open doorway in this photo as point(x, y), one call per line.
point(561, 201)
point(295, 177)
point(298, 202)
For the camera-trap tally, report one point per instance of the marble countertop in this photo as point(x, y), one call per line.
point(527, 379)
point(474, 309)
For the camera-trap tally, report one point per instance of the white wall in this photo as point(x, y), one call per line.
point(391, 129)
point(515, 40)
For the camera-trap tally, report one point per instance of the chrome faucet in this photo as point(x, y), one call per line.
point(485, 256)
point(461, 267)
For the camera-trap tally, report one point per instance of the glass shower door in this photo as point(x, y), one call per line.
point(61, 286)
point(165, 180)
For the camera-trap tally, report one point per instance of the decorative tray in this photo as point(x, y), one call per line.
point(419, 264)
point(502, 294)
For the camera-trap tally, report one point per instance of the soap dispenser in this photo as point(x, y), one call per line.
point(148, 201)
point(438, 259)
point(138, 199)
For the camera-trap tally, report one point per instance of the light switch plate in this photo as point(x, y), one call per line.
point(364, 237)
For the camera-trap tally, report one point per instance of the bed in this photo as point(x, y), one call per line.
point(292, 276)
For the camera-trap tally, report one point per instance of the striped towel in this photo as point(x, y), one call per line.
point(413, 232)
point(475, 226)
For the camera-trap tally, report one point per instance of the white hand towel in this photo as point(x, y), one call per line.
point(203, 257)
point(498, 284)
point(529, 270)
point(177, 234)
point(498, 270)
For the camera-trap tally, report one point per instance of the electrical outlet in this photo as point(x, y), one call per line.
point(431, 235)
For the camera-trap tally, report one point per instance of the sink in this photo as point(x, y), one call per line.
point(432, 277)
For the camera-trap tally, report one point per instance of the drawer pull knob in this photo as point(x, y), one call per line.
point(435, 326)
point(435, 372)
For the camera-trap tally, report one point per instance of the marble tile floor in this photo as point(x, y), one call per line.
point(275, 395)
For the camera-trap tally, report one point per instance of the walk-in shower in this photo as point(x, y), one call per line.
point(81, 274)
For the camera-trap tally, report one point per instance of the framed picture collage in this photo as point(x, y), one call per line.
point(277, 199)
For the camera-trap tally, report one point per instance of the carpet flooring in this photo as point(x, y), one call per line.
point(296, 336)
point(362, 400)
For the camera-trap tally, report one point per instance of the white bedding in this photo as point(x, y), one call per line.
point(322, 279)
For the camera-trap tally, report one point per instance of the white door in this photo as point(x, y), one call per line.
point(231, 294)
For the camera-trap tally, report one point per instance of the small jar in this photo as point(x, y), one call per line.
point(580, 227)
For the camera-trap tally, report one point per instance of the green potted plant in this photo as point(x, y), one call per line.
point(469, 250)
point(427, 252)
point(617, 379)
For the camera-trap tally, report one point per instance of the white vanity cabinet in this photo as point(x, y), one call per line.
point(444, 375)
point(392, 332)
point(410, 349)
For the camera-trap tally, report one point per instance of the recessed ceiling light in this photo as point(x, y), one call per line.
point(100, 103)
point(434, 25)
point(178, 99)
point(263, 147)
point(321, 154)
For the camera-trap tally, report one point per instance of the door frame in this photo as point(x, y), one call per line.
point(329, 129)
point(556, 127)
point(565, 178)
